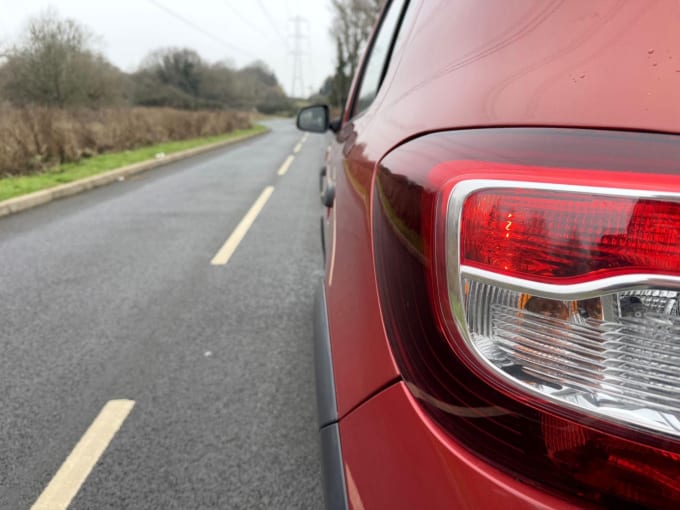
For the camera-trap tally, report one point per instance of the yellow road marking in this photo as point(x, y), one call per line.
point(297, 148)
point(241, 229)
point(286, 165)
point(78, 465)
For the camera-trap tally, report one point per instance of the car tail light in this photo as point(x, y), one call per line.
point(530, 286)
point(569, 294)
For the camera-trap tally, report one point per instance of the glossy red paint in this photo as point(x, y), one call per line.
point(596, 63)
point(456, 65)
point(426, 470)
point(361, 359)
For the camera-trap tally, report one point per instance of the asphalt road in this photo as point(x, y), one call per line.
point(111, 295)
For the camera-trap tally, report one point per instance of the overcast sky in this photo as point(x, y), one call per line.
point(239, 31)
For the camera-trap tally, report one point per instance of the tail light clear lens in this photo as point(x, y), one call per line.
point(626, 369)
point(530, 288)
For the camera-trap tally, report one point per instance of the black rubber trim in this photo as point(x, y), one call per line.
point(327, 406)
point(322, 222)
point(335, 492)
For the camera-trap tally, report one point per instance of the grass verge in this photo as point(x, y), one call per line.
point(11, 187)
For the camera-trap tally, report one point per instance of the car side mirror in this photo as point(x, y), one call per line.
point(313, 118)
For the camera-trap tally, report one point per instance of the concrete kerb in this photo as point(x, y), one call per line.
point(21, 203)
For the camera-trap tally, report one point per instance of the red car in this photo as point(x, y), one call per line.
point(499, 323)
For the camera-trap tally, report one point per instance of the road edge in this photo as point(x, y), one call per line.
point(37, 198)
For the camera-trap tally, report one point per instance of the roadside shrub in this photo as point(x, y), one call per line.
point(33, 138)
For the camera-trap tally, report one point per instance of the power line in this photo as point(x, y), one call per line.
point(200, 29)
point(246, 20)
point(271, 22)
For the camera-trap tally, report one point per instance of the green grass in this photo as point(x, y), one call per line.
point(15, 186)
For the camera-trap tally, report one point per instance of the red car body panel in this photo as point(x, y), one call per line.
point(461, 64)
point(428, 470)
point(596, 63)
point(362, 361)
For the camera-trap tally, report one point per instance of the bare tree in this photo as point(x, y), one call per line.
point(352, 25)
point(181, 68)
point(55, 65)
point(257, 85)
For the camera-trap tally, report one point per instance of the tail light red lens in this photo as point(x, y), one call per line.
point(541, 234)
point(533, 307)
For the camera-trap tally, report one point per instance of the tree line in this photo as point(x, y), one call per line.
point(55, 64)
